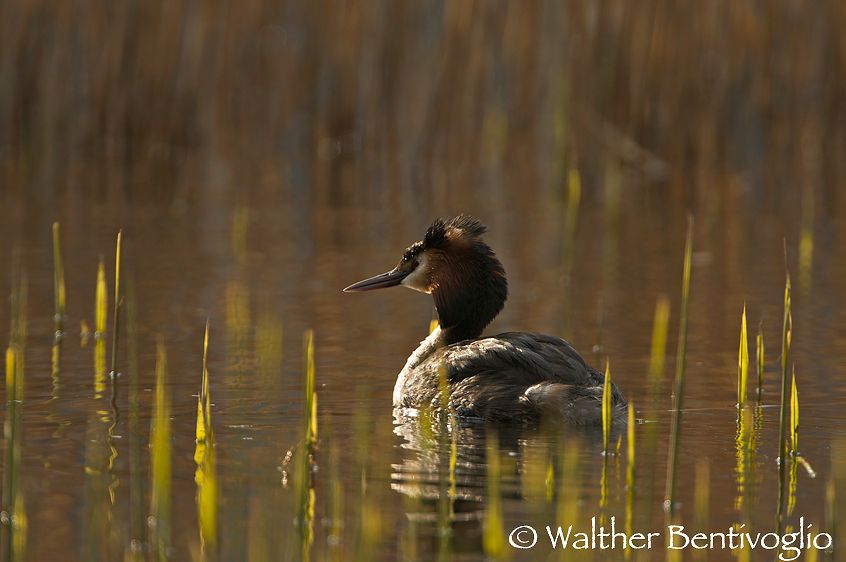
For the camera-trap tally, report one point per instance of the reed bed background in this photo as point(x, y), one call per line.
point(186, 188)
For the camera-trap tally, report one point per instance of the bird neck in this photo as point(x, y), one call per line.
point(468, 297)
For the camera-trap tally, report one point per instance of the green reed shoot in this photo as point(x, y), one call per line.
point(58, 281)
point(11, 381)
point(794, 416)
point(59, 310)
point(658, 350)
point(759, 359)
point(493, 529)
point(100, 303)
point(310, 394)
point(606, 408)
point(161, 462)
point(303, 478)
point(14, 530)
point(630, 449)
point(203, 399)
point(786, 337)
point(205, 476)
point(742, 362)
point(675, 431)
point(100, 308)
point(116, 313)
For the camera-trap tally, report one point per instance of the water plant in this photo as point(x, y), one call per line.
point(58, 282)
point(161, 462)
point(794, 416)
point(742, 362)
point(759, 360)
point(658, 348)
point(303, 478)
point(13, 528)
point(310, 394)
point(675, 429)
point(606, 408)
point(100, 310)
point(786, 336)
point(205, 475)
point(116, 311)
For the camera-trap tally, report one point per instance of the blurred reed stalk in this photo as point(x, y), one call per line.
point(794, 416)
point(14, 522)
point(19, 326)
point(606, 408)
point(493, 531)
point(304, 478)
point(786, 337)
point(205, 475)
point(100, 309)
point(806, 238)
point(13, 526)
point(58, 283)
point(117, 307)
point(59, 311)
point(675, 430)
point(310, 394)
point(658, 349)
point(571, 221)
point(742, 363)
point(159, 521)
point(835, 522)
point(759, 360)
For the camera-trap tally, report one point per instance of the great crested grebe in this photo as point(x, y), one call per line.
point(515, 376)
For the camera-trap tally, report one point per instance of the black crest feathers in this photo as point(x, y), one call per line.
point(468, 226)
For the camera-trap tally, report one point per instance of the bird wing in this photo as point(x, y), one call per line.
point(529, 358)
point(489, 376)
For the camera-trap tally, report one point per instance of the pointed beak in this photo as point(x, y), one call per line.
point(389, 279)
